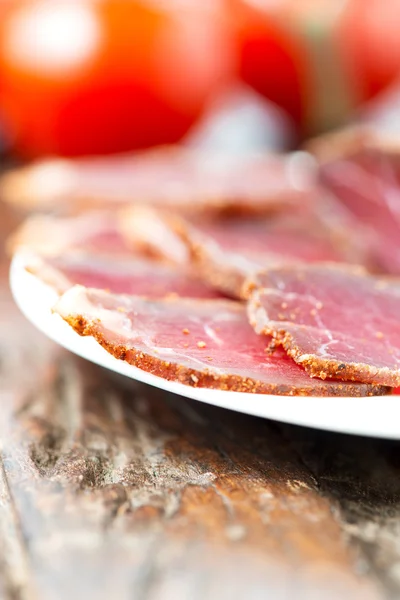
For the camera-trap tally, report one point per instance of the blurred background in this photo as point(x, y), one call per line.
point(88, 77)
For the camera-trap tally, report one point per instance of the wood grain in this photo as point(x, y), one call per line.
point(112, 489)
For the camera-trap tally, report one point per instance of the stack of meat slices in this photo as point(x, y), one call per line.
point(269, 293)
point(361, 169)
point(225, 252)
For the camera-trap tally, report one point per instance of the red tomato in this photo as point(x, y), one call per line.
point(290, 53)
point(277, 47)
point(90, 77)
point(272, 60)
point(368, 35)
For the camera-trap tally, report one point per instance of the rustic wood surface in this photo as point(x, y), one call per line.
point(115, 490)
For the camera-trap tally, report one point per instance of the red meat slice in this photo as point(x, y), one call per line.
point(171, 176)
point(204, 343)
point(226, 252)
point(334, 323)
point(152, 232)
point(362, 171)
point(95, 232)
point(129, 276)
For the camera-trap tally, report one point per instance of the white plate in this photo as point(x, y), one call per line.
point(376, 416)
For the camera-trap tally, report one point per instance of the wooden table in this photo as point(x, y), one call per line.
point(111, 490)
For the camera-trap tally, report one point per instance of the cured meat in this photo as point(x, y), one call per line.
point(129, 276)
point(333, 322)
point(198, 343)
point(362, 170)
point(347, 142)
point(226, 252)
point(94, 231)
point(180, 178)
point(151, 232)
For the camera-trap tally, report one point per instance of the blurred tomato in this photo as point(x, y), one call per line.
point(291, 53)
point(272, 58)
point(368, 35)
point(90, 77)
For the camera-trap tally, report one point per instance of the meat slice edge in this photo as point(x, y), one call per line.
point(228, 251)
point(131, 275)
point(333, 322)
point(205, 343)
point(94, 231)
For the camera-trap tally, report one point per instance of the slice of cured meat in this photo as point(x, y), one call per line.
point(203, 343)
point(335, 323)
point(226, 252)
point(151, 232)
point(177, 177)
point(127, 276)
point(362, 170)
point(95, 231)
